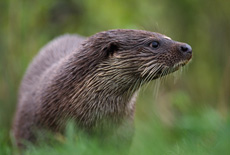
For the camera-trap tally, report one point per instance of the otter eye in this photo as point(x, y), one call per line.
point(154, 44)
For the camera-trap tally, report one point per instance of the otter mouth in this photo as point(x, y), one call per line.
point(160, 70)
point(167, 70)
point(180, 64)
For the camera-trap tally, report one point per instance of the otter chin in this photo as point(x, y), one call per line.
point(93, 81)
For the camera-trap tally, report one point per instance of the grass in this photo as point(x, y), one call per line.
point(204, 132)
point(198, 134)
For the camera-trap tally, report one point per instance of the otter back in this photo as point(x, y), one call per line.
point(49, 55)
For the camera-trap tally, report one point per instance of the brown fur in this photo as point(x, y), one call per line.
point(92, 81)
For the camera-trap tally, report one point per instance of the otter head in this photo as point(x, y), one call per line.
point(128, 57)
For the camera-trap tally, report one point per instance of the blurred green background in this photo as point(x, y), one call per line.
point(189, 115)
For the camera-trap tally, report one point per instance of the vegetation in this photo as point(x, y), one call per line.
point(189, 114)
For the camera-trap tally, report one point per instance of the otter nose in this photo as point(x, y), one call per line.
point(186, 49)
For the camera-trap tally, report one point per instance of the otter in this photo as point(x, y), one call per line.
point(93, 81)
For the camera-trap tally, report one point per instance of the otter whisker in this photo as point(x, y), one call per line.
point(151, 65)
point(156, 87)
point(163, 74)
point(152, 73)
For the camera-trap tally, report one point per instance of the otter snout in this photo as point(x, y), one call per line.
point(186, 50)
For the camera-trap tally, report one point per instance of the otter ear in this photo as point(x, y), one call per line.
point(111, 48)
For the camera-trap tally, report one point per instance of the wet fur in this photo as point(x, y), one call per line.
point(92, 81)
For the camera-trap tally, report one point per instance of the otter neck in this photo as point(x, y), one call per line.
point(105, 98)
point(90, 92)
point(112, 91)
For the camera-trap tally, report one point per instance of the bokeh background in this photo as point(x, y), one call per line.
point(188, 114)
